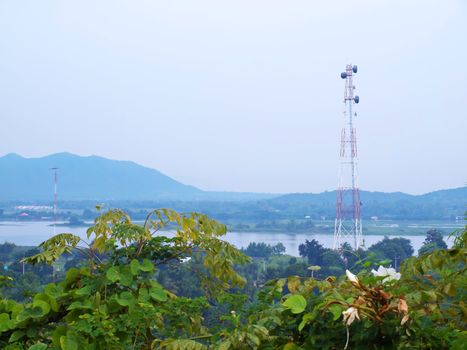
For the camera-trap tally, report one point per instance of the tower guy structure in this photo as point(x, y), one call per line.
point(55, 173)
point(348, 223)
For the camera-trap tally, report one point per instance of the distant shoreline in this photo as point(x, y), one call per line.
point(401, 228)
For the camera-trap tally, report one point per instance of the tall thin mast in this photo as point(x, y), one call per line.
point(55, 170)
point(348, 224)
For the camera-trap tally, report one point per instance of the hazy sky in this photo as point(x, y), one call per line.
point(240, 95)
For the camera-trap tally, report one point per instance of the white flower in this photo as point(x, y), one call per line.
point(389, 273)
point(349, 315)
point(351, 276)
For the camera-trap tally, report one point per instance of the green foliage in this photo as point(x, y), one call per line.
point(263, 250)
point(129, 294)
point(313, 251)
point(115, 303)
point(6, 250)
point(394, 249)
point(433, 241)
point(295, 303)
point(54, 248)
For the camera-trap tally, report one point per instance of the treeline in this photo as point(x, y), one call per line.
point(439, 205)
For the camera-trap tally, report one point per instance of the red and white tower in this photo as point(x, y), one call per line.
point(348, 223)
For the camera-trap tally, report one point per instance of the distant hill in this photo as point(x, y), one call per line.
point(93, 177)
point(97, 178)
point(396, 205)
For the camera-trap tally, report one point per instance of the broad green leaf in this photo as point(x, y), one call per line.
point(71, 276)
point(41, 296)
point(306, 319)
point(336, 311)
point(113, 274)
point(253, 339)
point(292, 346)
point(143, 295)
point(68, 343)
point(30, 312)
point(126, 299)
point(16, 335)
point(86, 290)
point(134, 267)
point(57, 334)
point(296, 303)
point(126, 277)
point(32, 332)
point(16, 310)
point(43, 305)
point(53, 290)
point(54, 305)
point(38, 346)
point(5, 322)
point(47, 299)
point(146, 266)
point(86, 304)
point(158, 293)
point(97, 299)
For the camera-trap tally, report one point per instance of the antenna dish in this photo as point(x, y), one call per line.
point(343, 75)
point(356, 99)
point(354, 69)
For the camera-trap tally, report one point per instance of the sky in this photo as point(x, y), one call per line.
point(241, 95)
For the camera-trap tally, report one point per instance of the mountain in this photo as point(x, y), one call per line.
point(93, 177)
point(98, 179)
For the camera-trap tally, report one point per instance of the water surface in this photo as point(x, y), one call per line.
point(33, 233)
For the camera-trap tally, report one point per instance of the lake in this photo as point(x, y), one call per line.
point(33, 233)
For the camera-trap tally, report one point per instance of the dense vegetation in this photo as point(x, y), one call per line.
point(133, 288)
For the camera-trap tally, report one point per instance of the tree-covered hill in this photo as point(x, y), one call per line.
point(443, 204)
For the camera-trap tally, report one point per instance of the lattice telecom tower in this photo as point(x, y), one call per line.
point(348, 224)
